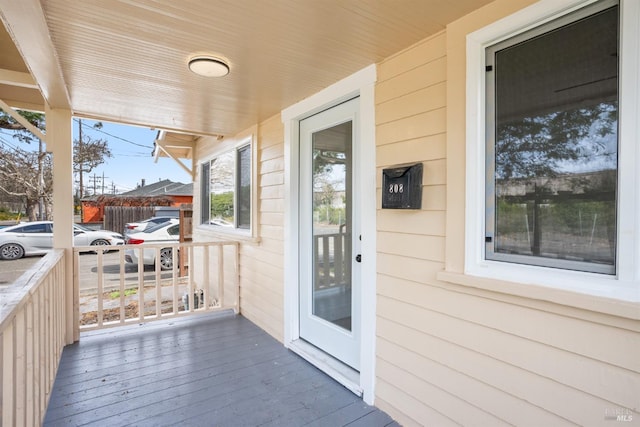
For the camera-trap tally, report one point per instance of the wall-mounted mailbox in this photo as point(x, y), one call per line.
point(402, 187)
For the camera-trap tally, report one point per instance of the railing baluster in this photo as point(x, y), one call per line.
point(122, 288)
point(199, 279)
point(221, 274)
point(338, 259)
point(174, 277)
point(237, 278)
point(29, 371)
point(140, 283)
point(191, 291)
point(206, 284)
point(100, 290)
point(20, 368)
point(9, 356)
point(158, 283)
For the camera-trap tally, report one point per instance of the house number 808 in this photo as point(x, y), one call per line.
point(396, 188)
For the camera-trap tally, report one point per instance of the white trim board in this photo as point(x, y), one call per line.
point(359, 84)
point(625, 285)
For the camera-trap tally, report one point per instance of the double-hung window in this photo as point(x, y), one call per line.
point(552, 187)
point(226, 190)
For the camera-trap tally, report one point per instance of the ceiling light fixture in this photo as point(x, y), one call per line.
point(208, 66)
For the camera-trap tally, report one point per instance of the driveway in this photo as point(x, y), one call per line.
point(111, 272)
point(11, 270)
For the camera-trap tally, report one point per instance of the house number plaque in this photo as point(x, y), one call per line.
point(402, 187)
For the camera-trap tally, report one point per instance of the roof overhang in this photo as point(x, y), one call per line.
point(177, 146)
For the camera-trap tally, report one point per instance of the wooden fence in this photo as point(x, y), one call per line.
point(115, 217)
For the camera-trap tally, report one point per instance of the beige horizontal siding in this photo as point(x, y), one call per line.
point(421, 53)
point(426, 75)
point(428, 99)
point(408, 409)
point(262, 271)
point(453, 355)
point(261, 262)
point(459, 389)
point(423, 124)
point(428, 222)
point(425, 148)
point(431, 247)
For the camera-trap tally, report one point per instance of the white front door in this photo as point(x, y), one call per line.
point(330, 233)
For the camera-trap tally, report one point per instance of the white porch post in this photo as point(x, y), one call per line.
point(60, 143)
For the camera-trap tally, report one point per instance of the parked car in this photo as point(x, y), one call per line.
point(134, 227)
point(168, 231)
point(36, 238)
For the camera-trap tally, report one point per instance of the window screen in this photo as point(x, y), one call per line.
point(552, 143)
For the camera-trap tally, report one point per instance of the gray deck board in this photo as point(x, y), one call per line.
point(214, 370)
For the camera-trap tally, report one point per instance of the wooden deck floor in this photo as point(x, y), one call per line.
point(217, 370)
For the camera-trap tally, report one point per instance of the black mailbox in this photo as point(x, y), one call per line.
point(402, 187)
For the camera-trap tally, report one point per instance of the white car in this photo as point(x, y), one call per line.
point(36, 238)
point(168, 231)
point(134, 227)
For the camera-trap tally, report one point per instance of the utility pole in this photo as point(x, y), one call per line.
point(80, 166)
point(103, 181)
point(95, 179)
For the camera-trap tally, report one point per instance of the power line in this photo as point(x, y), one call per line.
point(115, 136)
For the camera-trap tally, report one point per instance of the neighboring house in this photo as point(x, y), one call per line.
point(438, 323)
point(162, 193)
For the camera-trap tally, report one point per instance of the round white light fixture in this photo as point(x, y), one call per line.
point(208, 66)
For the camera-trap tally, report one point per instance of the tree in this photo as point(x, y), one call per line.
point(539, 146)
point(535, 151)
point(23, 173)
point(28, 174)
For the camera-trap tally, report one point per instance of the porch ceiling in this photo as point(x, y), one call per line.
point(126, 60)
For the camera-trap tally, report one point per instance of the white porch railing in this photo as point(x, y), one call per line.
point(331, 267)
point(32, 335)
point(122, 285)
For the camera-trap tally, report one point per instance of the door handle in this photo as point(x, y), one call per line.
point(358, 258)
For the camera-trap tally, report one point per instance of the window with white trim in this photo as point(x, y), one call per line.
point(543, 135)
point(226, 190)
point(552, 143)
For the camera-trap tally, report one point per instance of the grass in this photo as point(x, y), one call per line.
point(127, 292)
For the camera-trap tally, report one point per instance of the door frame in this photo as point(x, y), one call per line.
point(361, 84)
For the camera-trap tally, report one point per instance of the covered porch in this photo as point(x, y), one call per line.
point(188, 365)
point(215, 369)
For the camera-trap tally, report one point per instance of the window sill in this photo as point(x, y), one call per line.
point(629, 309)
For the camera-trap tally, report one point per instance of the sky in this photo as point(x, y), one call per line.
point(132, 160)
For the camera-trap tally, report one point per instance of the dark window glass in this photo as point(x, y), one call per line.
point(553, 145)
point(204, 194)
point(243, 187)
point(35, 228)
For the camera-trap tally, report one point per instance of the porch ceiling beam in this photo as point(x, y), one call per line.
point(156, 155)
point(25, 22)
point(21, 105)
point(17, 78)
point(24, 122)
